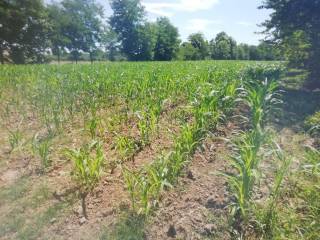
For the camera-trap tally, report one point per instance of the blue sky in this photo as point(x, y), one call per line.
point(239, 18)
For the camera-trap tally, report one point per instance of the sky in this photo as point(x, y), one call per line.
point(238, 18)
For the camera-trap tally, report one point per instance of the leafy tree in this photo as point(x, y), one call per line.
point(127, 21)
point(57, 20)
point(197, 48)
point(146, 40)
point(198, 41)
point(254, 53)
point(23, 30)
point(296, 49)
point(223, 47)
point(268, 51)
point(82, 26)
point(289, 19)
point(243, 51)
point(187, 52)
point(111, 44)
point(167, 41)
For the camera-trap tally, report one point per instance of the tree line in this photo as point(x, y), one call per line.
point(32, 31)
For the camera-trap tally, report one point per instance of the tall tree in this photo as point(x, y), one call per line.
point(198, 41)
point(167, 40)
point(223, 47)
point(243, 52)
point(23, 30)
point(127, 21)
point(82, 26)
point(58, 19)
point(289, 17)
point(187, 51)
point(146, 40)
point(111, 44)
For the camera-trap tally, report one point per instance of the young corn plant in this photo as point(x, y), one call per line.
point(131, 180)
point(261, 97)
point(88, 164)
point(15, 139)
point(127, 147)
point(313, 161)
point(140, 190)
point(42, 149)
point(244, 161)
point(93, 126)
point(144, 128)
point(270, 217)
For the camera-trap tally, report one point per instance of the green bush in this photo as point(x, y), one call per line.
point(312, 123)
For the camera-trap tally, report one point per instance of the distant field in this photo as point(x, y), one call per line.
point(125, 117)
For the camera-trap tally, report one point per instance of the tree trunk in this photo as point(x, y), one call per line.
point(91, 57)
point(59, 55)
point(1, 56)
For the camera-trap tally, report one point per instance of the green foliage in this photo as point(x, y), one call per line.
point(42, 148)
point(88, 162)
point(200, 45)
point(15, 139)
point(223, 47)
point(81, 25)
point(167, 41)
point(23, 31)
point(295, 25)
point(296, 49)
point(312, 164)
point(127, 147)
point(261, 98)
point(268, 218)
point(128, 22)
point(245, 161)
point(312, 123)
point(145, 186)
point(296, 216)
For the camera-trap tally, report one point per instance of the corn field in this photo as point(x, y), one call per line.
point(97, 120)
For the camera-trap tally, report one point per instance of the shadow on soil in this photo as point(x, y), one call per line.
point(297, 106)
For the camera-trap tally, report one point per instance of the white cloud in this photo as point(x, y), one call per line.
point(200, 25)
point(208, 27)
point(246, 24)
point(168, 8)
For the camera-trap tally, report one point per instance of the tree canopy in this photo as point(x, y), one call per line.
point(295, 25)
point(23, 30)
point(167, 40)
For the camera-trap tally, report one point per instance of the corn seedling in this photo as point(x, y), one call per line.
point(42, 149)
point(127, 147)
point(313, 161)
point(144, 128)
point(261, 97)
point(245, 162)
point(271, 212)
point(15, 139)
point(87, 168)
